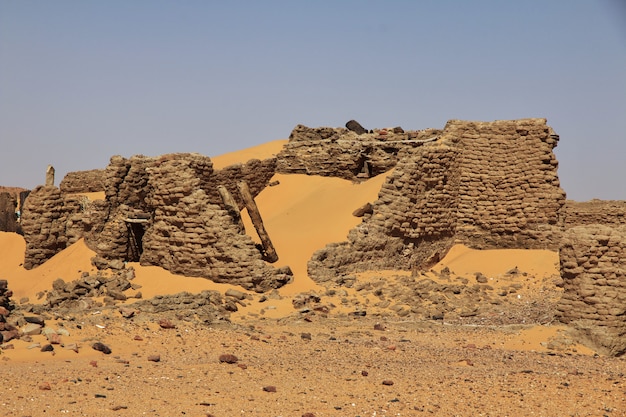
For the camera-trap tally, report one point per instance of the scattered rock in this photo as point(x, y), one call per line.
point(269, 388)
point(387, 382)
point(101, 347)
point(166, 324)
point(228, 358)
point(154, 358)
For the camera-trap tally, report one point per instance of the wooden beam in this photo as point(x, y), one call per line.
point(269, 254)
point(231, 207)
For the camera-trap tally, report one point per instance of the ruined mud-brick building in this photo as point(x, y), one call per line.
point(163, 211)
point(488, 185)
point(593, 268)
point(484, 184)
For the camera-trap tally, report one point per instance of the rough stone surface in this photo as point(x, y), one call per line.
point(593, 268)
point(8, 217)
point(606, 212)
point(44, 221)
point(339, 152)
point(163, 211)
point(83, 181)
point(488, 185)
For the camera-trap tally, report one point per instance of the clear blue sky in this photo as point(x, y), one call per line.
point(81, 81)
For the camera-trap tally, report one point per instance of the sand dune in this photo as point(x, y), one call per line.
point(263, 151)
point(67, 264)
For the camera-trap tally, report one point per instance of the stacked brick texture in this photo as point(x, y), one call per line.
point(82, 182)
point(186, 229)
point(339, 152)
point(593, 268)
point(606, 212)
point(488, 185)
point(8, 209)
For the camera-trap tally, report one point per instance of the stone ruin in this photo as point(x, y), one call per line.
point(163, 211)
point(343, 153)
point(484, 184)
point(83, 182)
point(606, 212)
point(488, 185)
point(593, 268)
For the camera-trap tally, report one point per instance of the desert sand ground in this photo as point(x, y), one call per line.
point(294, 362)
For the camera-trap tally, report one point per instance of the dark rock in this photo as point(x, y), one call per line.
point(269, 388)
point(47, 348)
point(228, 358)
point(35, 320)
point(166, 324)
point(356, 127)
point(388, 382)
point(154, 358)
point(101, 347)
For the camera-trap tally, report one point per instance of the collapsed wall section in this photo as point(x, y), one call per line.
point(593, 268)
point(163, 211)
point(412, 223)
point(342, 153)
point(488, 185)
point(190, 235)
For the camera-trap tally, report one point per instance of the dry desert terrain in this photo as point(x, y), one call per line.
point(308, 350)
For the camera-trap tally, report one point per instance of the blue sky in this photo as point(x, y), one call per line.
point(81, 81)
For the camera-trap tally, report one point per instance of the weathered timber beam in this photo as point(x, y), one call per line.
point(231, 207)
point(270, 254)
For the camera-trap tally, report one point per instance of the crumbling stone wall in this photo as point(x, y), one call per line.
point(488, 185)
point(43, 223)
point(509, 195)
point(83, 182)
point(604, 212)
point(8, 217)
point(255, 172)
point(339, 152)
point(163, 211)
point(593, 268)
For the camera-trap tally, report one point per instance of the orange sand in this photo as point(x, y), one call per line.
point(67, 264)
point(263, 151)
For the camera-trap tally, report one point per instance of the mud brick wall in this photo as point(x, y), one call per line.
point(593, 268)
point(83, 182)
point(185, 228)
point(339, 152)
point(44, 217)
point(191, 236)
point(605, 212)
point(488, 185)
point(255, 172)
point(8, 216)
point(509, 194)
